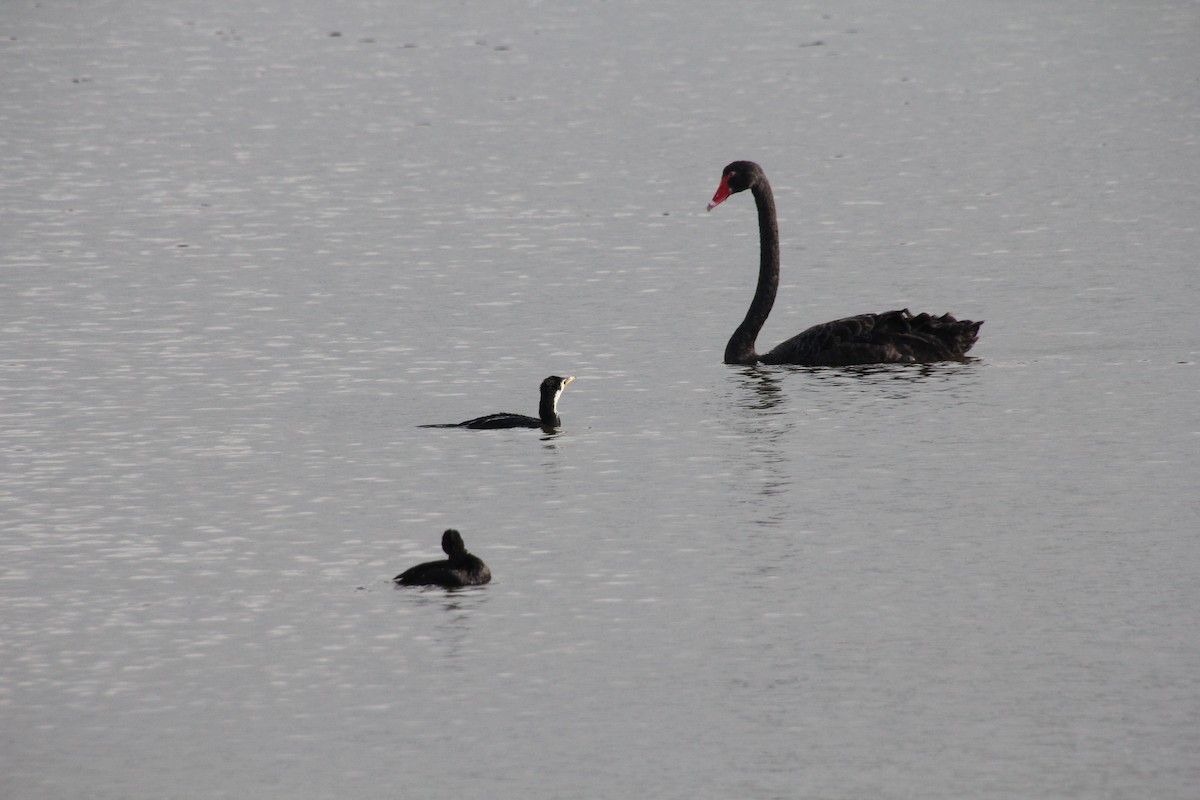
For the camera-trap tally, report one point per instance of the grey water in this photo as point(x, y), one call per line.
point(246, 248)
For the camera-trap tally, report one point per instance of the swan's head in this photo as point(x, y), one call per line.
point(737, 177)
point(553, 388)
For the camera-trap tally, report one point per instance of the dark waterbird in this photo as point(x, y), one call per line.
point(892, 337)
point(460, 569)
point(547, 417)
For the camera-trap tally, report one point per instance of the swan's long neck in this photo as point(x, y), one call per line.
point(740, 349)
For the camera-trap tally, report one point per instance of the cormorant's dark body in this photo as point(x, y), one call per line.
point(547, 416)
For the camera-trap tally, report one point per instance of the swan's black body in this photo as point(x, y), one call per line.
point(547, 416)
point(890, 337)
point(461, 569)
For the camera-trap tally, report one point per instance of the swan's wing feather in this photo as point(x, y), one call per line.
point(887, 338)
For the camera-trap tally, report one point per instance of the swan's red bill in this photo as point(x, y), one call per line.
point(721, 195)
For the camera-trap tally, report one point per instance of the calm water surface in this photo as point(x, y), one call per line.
point(242, 257)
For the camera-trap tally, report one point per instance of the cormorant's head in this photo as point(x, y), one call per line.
point(553, 386)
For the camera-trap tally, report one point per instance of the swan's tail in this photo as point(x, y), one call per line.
point(939, 337)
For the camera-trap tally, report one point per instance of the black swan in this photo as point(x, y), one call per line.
point(887, 338)
point(461, 569)
point(547, 417)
